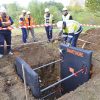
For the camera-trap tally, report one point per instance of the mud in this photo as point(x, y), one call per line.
point(91, 89)
point(12, 88)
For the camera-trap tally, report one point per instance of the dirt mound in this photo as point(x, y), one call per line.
point(37, 54)
point(11, 87)
point(93, 36)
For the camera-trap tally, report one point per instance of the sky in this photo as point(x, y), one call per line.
point(25, 2)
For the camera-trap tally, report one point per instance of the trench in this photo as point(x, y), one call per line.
point(49, 74)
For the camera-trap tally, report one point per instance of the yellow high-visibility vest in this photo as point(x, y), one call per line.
point(71, 26)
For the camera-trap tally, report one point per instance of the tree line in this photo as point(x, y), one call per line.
point(37, 9)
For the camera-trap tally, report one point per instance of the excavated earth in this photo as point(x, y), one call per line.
point(36, 55)
point(12, 88)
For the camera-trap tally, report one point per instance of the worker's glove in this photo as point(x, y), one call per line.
point(29, 27)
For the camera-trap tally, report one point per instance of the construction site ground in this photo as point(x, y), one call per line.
point(11, 86)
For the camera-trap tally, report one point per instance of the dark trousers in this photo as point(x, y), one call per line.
point(73, 40)
point(24, 35)
point(5, 36)
point(49, 32)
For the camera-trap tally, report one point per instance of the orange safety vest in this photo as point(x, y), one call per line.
point(22, 23)
point(6, 20)
point(31, 23)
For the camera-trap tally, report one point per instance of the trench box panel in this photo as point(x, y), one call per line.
point(74, 59)
point(32, 79)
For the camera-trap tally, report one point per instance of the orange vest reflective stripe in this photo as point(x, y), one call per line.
point(6, 20)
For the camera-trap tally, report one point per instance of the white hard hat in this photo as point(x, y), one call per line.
point(2, 9)
point(46, 10)
point(23, 11)
point(64, 9)
point(60, 24)
point(28, 12)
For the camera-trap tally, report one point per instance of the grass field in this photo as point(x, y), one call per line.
point(42, 30)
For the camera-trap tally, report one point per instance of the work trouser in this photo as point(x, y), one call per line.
point(24, 35)
point(32, 33)
point(49, 32)
point(5, 35)
point(73, 37)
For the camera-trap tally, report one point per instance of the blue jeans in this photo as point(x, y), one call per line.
point(49, 32)
point(5, 36)
point(24, 35)
point(73, 40)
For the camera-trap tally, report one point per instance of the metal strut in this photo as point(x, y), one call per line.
point(47, 64)
point(81, 70)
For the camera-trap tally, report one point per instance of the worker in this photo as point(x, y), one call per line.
point(5, 35)
point(70, 30)
point(23, 26)
point(66, 15)
point(48, 17)
point(30, 24)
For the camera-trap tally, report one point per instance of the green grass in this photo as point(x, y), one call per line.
point(16, 32)
point(85, 28)
point(39, 31)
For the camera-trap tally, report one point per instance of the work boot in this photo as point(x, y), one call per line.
point(10, 53)
point(1, 55)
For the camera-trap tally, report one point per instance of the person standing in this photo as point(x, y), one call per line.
point(5, 35)
point(30, 24)
point(48, 17)
point(23, 26)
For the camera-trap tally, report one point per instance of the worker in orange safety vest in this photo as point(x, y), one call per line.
point(5, 32)
point(30, 24)
point(22, 23)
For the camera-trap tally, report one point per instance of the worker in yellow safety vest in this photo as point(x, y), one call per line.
point(70, 31)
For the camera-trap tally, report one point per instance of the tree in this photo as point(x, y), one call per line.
point(56, 13)
point(14, 11)
point(52, 3)
point(37, 10)
point(93, 5)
